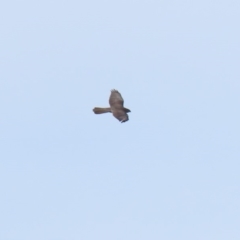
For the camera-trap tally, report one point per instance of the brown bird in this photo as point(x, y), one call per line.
point(116, 107)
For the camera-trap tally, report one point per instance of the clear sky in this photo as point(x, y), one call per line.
point(170, 172)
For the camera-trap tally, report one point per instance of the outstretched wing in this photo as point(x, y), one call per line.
point(120, 115)
point(116, 103)
point(116, 100)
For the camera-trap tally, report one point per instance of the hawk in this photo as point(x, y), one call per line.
point(116, 107)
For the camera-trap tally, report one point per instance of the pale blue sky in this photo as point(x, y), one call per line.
point(171, 172)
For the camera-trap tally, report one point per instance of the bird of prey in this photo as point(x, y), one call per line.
point(116, 107)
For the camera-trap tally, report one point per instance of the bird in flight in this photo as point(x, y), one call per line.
point(116, 107)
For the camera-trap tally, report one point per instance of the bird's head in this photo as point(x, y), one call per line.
point(127, 110)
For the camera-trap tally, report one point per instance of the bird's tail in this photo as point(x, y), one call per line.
point(98, 110)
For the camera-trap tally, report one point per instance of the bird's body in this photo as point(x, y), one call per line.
point(116, 107)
